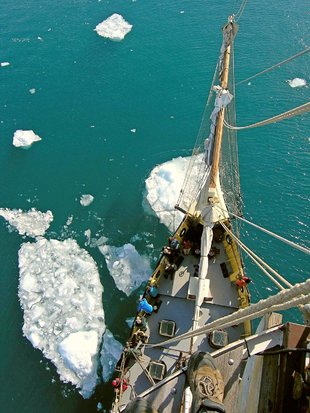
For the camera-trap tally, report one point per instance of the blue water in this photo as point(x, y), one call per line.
point(156, 80)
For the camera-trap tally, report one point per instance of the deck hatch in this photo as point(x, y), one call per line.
point(167, 328)
point(157, 370)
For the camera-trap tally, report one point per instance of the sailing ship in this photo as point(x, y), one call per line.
point(196, 306)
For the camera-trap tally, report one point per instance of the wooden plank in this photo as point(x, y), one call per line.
point(269, 383)
point(230, 365)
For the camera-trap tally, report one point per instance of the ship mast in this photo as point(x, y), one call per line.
point(228, 32)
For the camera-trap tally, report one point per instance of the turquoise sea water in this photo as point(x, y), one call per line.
point(90, 93)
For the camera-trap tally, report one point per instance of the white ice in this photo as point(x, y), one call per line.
point(110, 354)
point(114, 27)
point(297, 82)
point(128, 269)
point(86, 199)
point(61, 296)
point(3, 64)
point(163, 187)
point(25, 138)
point(32, 223)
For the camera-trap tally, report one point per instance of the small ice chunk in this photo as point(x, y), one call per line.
point(3, 64)
point(87, 234)
point(297, 82)
point(110, 354)
point(133, 130)
point(32, 223)
point(32, 91)
point(25, 138)
point(114, 27)
point(128, 269)
point(61, 297)
point(86, 199)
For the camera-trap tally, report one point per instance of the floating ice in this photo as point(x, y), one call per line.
point(87, 234)
point(163, 187)
point(61, 295)
point(86, 199)
point(32, 223)
point(25, 138)
point(110, 354)
point(128, 269)
point(3, 64)
point(32, 91)
point(129, 321)
point(297, 82)
point(114, 27)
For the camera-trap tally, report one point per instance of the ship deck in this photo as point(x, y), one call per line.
point(176, 302)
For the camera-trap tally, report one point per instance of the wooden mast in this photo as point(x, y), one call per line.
point(219, 126)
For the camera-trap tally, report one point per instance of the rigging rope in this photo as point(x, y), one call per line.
point(239, 13)
point(259, 262)
point(274, 66)
point(286, 241)
point(288, 298)
point(285, 115)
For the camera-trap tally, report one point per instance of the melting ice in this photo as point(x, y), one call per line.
point(61, 296)
point(32, 223)
point(25, 138)
point(114, 27)
point(297, 82)
point(86, 199)
point(110, 354)
point(128, 269)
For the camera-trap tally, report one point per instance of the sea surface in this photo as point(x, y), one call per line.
point(108, 113)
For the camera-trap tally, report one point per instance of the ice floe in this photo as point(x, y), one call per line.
point(3, 64)
point(110, 354)
point(86, 199)
point(32, 223)
point(25, 138)
point(114, 27)
point(297, 82)
point(163, 187)
point(61, 296)
point(128, 269)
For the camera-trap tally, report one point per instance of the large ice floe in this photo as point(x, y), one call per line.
point(128, 269)
point(163, 187)
point(297, 82)
point(110, 353)
point(25, 138)
point(32, 223)
point(114, 27)
point(61, 296)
